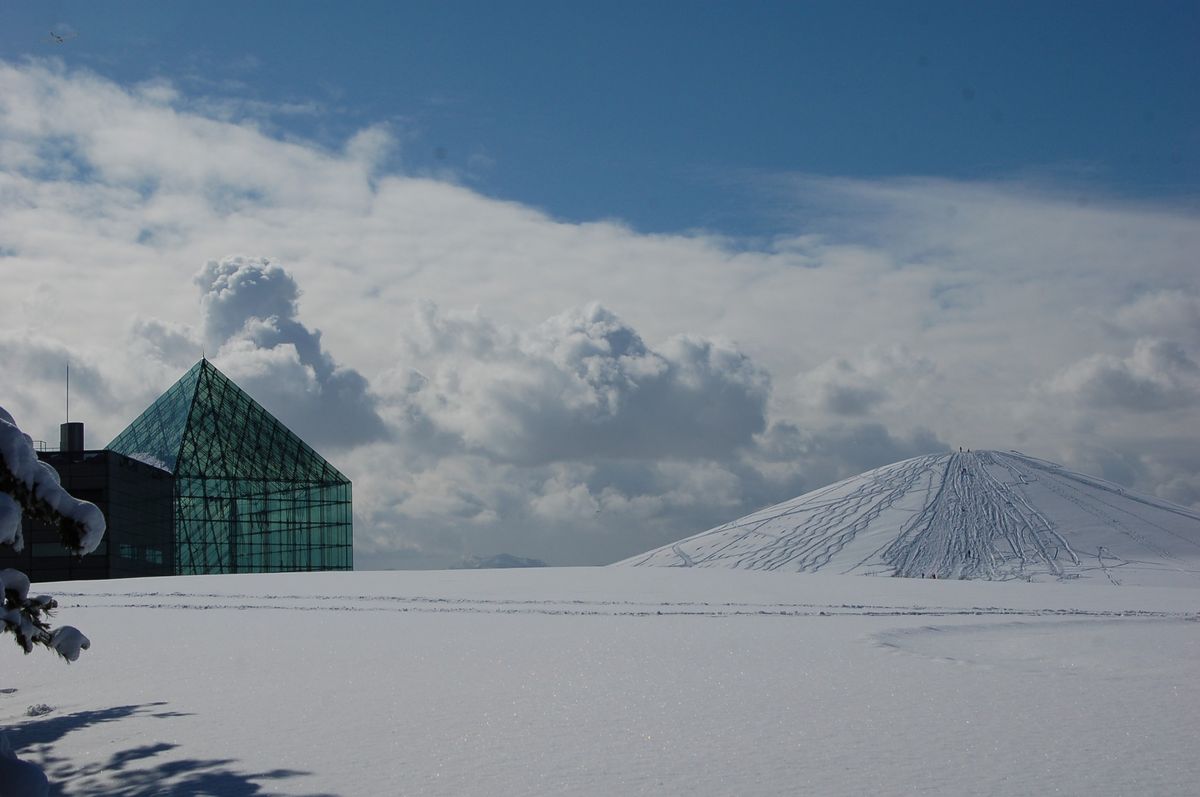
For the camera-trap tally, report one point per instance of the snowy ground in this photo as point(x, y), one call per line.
point(983, 514)
point(604, 681)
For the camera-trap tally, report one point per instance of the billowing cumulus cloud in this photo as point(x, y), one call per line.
point(581, 438)
point(238, 290)
point(248, 316)
point(249, 327)
point(893, 317)
point(583, 384)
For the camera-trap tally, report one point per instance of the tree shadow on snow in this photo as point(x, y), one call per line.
point(132, 772)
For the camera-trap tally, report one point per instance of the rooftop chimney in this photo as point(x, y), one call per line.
point(70, 436)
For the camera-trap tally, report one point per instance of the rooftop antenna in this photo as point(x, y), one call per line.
point(68, 391)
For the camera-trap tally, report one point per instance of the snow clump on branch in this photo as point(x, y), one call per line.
point(28, 485)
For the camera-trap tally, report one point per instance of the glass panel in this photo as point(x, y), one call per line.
point(41, 549)
point(155, 435)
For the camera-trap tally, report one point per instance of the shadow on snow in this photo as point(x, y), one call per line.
point(133, 772)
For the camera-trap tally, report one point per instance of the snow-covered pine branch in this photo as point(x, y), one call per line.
point(30, 486)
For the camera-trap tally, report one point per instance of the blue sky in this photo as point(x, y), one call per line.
point(675, 115)
point(572, 281)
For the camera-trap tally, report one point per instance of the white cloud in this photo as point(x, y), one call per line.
point(1183, 489)
point(1163, 313)
point(859, 387)
point(564, 499)
point(797, 459)
point(35, 368)
point(169, 342)
point(249, 310)
point(917, 313)
point(582, 385)
point(237, 290)
point(1157, 375)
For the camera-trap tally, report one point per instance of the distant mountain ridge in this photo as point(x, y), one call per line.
point(500, 560)
point(979, 515)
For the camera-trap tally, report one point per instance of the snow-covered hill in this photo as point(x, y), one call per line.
point(979, 515)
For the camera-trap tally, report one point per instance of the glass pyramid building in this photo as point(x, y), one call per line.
point(250, 496)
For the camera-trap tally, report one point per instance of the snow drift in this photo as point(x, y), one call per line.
point(977, 515)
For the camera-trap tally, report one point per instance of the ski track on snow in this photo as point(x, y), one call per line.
point(610, 608)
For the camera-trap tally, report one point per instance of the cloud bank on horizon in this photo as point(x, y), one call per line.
point(496, 380)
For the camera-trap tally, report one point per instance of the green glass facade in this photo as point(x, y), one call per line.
point(250, 496)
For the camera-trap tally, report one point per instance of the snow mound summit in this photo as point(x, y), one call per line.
point(980, 515)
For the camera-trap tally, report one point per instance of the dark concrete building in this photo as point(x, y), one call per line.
point(136, 501)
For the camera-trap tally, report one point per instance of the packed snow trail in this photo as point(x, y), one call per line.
point(974, 515)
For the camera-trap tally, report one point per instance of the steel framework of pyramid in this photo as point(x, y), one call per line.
point(250, 495)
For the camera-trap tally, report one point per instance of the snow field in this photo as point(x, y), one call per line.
point(570, 681)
